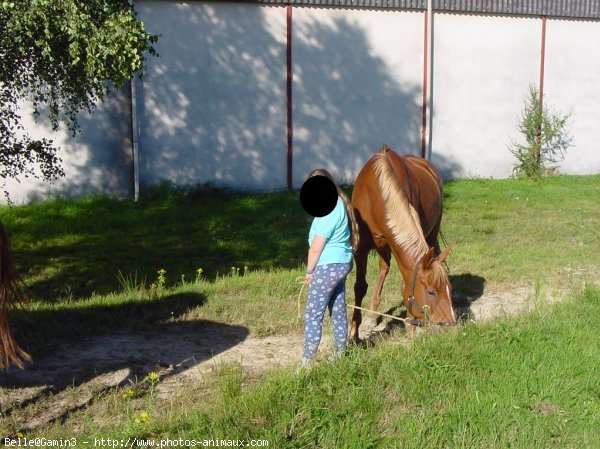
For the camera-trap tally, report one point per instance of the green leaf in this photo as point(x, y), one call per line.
point(63, 54)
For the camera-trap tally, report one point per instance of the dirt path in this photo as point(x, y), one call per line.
point(183, 353)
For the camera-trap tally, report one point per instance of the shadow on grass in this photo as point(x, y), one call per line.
point(105, 346)
point(45, 328)
point(71, 249)
point(466, 289)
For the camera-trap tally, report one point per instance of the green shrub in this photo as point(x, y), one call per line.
point(546, 138)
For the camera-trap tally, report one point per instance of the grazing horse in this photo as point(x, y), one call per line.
point(9, 295)
point(397, 201)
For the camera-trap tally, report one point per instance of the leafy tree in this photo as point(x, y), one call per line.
point(63, 56)
point(546, 138)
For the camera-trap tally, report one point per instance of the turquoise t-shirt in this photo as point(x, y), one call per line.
point(334, 227)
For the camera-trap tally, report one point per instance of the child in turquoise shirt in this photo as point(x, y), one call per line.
point(329, 262)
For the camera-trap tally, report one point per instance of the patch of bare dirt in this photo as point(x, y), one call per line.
point(72, 376)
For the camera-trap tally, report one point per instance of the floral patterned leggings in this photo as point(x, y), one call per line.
point(327, 289)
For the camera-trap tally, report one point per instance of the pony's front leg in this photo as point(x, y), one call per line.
point(384, 269)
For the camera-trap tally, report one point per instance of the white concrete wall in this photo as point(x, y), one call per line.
point(98, 160)
point(571, 85)
point(357, 84)
point(213, 105)
point(482, 68)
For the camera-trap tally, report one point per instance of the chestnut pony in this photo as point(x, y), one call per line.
point(397, 201)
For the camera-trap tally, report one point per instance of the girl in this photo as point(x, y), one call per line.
point(328, 265)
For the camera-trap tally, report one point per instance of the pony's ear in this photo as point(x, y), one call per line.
point(427, 258)
point(444, 254)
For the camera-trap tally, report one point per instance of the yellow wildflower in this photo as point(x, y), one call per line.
point(143, 417)
point(129, 393)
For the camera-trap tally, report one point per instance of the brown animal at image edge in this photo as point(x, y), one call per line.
point(10, 295)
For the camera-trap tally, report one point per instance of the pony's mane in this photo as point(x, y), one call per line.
point(402, 218)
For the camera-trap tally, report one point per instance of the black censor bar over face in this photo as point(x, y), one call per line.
point(318, 196)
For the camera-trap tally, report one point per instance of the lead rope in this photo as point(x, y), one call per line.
point(303, 283)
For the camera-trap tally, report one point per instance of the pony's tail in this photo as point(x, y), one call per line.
point(10, 295)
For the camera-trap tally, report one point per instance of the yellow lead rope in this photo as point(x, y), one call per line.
point(303, 282)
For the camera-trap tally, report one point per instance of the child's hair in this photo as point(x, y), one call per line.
point(352, 224)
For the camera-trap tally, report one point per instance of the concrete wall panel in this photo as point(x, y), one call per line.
point(212, 108)
point(483, 66)
point(571, 85)
point(357, 84)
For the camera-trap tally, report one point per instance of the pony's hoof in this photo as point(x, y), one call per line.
point(367, 326)
point(353, 337)
point(370, 322)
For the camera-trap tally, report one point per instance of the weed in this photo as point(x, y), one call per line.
point(130, 284)
point(546, 138)
point(157, 288)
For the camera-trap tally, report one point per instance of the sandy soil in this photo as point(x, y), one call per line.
point(74, 375)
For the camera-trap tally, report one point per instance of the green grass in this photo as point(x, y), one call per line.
point(515, 230)
point(528, 382)
point(522, 382)
point(502, 231)
point(80, 254)
point(89, 264)
point(77, 247)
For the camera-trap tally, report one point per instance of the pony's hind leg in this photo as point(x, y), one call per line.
point(360, 289)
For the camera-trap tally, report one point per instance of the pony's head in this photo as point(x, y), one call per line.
point(428, 297)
